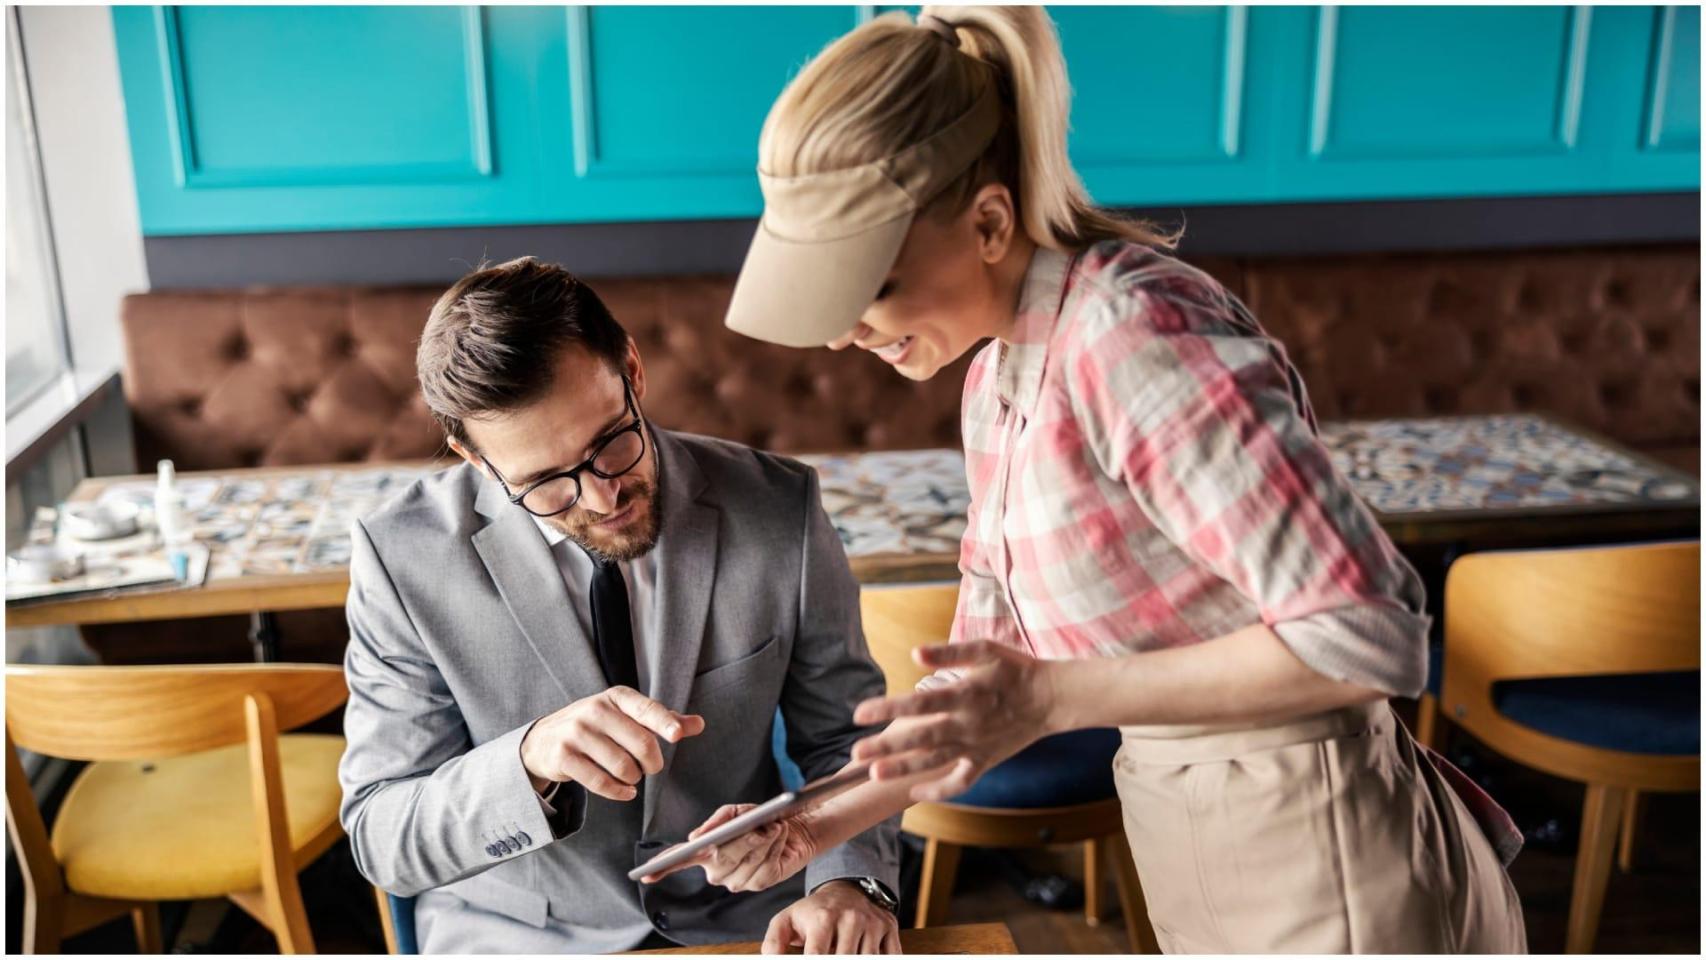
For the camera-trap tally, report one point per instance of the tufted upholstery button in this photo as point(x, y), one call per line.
point(798, 388)
point(1616, 292)
point(250, 457)
point(343, 345)
point(237, 348)
point(299, 401)
point(1439, 399)
point(1528, 298)
point(1615, 394)
point(190, 407)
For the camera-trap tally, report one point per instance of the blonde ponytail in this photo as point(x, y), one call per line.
point(892, 83)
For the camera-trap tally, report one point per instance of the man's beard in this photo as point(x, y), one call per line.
point(634, 540)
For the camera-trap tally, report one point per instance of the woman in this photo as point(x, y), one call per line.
point(1156, 539)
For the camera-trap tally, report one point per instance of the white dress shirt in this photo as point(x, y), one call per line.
point(641, 577)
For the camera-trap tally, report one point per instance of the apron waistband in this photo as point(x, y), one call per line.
point(1199, 743)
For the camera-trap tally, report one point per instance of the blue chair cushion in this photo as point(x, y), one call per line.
point(403, 923)
point(1058, 771)
point(1651, 713)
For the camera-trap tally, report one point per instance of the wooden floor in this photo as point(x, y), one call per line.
point(1656, 909)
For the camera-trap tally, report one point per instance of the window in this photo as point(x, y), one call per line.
point(35, 318)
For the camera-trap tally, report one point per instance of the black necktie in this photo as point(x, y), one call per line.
point(611, 627)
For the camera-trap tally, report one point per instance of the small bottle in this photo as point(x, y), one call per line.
point(169, 519)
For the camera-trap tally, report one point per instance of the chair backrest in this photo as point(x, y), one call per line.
point(1533, 614)
point(898, 619)
point(1576, 612)
point(151, 712)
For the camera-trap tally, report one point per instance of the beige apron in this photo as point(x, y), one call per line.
point(1329, 834)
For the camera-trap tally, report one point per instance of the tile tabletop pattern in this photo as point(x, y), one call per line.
point(913, 503)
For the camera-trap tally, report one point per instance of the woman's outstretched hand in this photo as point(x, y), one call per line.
point(756, 861)
point(1002, 702)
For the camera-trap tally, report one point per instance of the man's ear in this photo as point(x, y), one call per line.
point(636, 371)
point(994, 219)
point(468, 455)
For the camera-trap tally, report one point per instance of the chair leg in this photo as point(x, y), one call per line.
point(44, 923)
point(1631, 824)
point(1427, 721)
point(385, 922)
point(1602, 814)
point(1138, 930)
point(146, 919)
point(288, 917)
point(1093, 882)
point(941, 862)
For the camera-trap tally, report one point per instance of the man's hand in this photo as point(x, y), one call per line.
point(836, 918)
point(605, 743)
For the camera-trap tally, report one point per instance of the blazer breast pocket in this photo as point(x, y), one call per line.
point(741, 671)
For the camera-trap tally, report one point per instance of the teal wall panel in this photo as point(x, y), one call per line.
point(260, 119)
point(1155, 84)
point(1406, 82)
point(685, 93)
point(414, 108)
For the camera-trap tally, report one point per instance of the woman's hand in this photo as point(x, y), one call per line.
point(756, 861)
point(1003, 701)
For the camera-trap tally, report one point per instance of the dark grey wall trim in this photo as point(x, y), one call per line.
point(717, 246)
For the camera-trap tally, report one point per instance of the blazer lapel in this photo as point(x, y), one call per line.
point(686, 569)
point(528, 579)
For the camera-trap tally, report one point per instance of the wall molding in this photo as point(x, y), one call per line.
point(1658, 85)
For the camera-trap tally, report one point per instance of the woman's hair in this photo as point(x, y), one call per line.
point(891, 83)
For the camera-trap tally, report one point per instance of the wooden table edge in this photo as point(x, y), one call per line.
point(972, 938)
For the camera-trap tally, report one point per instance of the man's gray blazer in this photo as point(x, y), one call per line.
point(462, 634)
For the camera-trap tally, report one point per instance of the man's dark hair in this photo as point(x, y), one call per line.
point(493, 338)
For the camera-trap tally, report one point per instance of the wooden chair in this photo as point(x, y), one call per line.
point(190, 793)
point(1430, 733)
point(896, 620)
point(1585, 664)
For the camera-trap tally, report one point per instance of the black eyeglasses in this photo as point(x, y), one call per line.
point(615, 455)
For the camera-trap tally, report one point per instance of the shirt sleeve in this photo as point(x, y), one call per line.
point(1200, 422)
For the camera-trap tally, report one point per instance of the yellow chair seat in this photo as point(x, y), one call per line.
point(184, 828)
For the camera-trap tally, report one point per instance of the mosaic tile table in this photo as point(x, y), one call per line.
point(279, 536)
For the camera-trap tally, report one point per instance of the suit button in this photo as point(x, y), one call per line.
point(660, 920)
point(505, 847)
point(514, 844)
point(526, 840)
point(492, 850)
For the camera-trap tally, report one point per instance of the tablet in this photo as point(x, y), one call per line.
point(782, 805)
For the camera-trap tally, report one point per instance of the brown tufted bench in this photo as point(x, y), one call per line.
point(1608, 338)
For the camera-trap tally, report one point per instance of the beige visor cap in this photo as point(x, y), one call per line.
point(827, 240)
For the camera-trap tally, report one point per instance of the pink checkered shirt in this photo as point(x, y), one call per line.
point(1145, 473)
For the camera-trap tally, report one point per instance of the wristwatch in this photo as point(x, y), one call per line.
point(878, 894)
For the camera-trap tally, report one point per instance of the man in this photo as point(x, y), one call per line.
point(543, 694)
